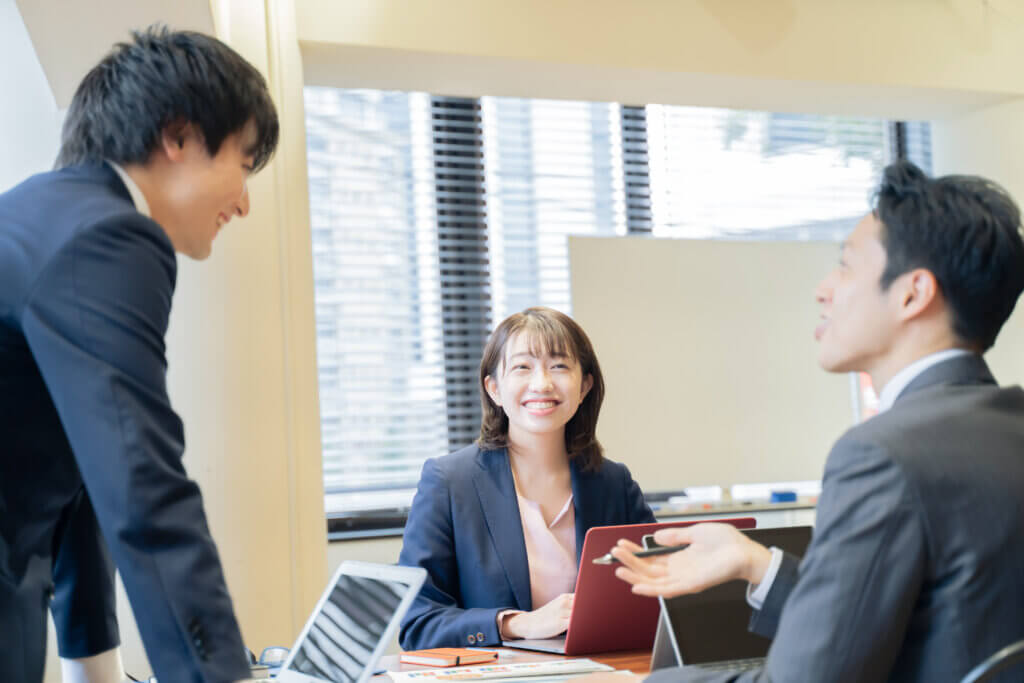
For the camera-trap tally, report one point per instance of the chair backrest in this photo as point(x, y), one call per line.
point(997, 663)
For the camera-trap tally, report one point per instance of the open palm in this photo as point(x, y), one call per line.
point(717, 553)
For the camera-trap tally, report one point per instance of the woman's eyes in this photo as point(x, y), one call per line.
point(556, 366)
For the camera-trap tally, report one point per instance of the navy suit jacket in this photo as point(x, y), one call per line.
point(464, 528)
point(90, 448)
point(916, 568)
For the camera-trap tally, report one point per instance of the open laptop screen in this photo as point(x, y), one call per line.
point(711, 626)
point(352, 624)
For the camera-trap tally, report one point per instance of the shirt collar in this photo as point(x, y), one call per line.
point(139, 199)
point(901, 379)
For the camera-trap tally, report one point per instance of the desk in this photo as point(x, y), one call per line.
point(637, 661)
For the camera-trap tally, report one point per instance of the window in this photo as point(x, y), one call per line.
point(375, 262)
point(552, 169)
point(720, 173)
point(434, 217)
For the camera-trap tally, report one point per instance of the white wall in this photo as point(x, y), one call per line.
point(29, 137)
point(29, 119)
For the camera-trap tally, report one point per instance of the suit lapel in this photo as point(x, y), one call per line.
point(586, 500)
point(497, 493)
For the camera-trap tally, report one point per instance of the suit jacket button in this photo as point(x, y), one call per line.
point(470, 639)
point(479, 637)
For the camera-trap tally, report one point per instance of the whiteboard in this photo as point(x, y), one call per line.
point(709, 358)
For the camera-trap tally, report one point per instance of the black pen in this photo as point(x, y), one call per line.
point(661, 550)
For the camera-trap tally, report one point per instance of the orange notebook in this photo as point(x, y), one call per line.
point(448, 656)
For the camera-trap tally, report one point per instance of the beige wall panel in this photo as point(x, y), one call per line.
point(709, 358)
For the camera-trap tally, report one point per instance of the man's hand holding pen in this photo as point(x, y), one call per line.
point(717, 553)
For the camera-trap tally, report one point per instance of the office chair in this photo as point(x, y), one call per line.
point(997, 663)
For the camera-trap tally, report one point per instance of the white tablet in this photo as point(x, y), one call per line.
point(356, 618)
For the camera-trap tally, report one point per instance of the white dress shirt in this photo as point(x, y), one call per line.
point(139, 199)
point(106, 667)
point(893, 388)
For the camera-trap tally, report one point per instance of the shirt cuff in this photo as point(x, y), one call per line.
point(501, 621)
point(756, 594)
point(106, 667)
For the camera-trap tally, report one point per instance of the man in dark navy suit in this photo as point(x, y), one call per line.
point(157, 146)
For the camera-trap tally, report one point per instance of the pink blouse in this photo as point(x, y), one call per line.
point(550, 550)
point(550, 554)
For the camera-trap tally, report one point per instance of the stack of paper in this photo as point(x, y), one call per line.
point(534, 672)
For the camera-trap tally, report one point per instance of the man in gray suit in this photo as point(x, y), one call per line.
point(916, 569)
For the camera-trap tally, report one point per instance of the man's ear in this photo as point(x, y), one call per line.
point(491, 385)
point(920, 289)
point(173, 137)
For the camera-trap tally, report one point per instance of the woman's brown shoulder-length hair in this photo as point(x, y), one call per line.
point(548, 331)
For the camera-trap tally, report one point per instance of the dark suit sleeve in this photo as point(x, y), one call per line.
point(83, 606)
point(435, 618)
point(95, 322)
point(765, 621)
point(639, 512)
point(847, 615)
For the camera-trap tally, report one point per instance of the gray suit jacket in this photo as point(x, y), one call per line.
point(916, 569)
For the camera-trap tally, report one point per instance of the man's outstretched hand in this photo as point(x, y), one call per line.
point(717, 553)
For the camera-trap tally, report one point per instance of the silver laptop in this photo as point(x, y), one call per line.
point(354, 621)
point(708, 630)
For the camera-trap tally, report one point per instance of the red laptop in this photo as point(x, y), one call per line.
point(606, 615)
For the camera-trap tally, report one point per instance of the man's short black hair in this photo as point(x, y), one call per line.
point(161, 78)
point(965, 230)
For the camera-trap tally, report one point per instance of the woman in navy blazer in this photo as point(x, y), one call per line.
point(541, 390)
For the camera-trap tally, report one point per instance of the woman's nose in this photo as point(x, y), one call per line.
point(540, 380)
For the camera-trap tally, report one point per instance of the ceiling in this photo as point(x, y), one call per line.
point(70, 37)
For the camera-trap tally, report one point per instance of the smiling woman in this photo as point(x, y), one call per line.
point(540, 356)
point(499, 525)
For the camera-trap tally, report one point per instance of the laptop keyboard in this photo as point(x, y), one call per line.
point(732, 665)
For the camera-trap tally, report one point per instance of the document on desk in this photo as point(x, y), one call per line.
point(534, 672)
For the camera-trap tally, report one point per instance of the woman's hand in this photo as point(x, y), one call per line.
point(544, 622)
point(717, 553)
